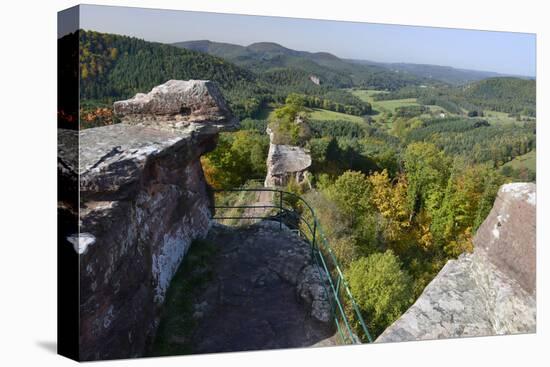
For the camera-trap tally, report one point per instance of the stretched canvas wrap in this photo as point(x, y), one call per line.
point(237, 183)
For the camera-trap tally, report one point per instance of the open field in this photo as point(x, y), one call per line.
point(314, 114)
point(365, 94)
point(382, 106)
point(392, 104)
point(495, 117)
point(528, 160)
point(319, 114)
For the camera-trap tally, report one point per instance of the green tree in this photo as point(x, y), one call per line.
point(238, 157)
point(382, 289)
point(427, 172)
point(351, 191)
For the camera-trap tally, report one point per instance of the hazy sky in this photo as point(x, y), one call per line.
point(504, 52)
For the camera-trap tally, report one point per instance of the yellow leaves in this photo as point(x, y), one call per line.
point(462, 244)
point(390, 200)
point(210, 173)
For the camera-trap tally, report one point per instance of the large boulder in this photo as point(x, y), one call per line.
point(143, 200)
point(177, 102)
point(488, 292)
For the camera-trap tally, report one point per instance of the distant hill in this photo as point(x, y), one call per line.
point(446, 74)
point(268, 57)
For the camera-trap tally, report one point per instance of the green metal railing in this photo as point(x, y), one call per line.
point(309, 228)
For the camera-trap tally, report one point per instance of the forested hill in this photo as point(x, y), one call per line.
point(504, 94)
point(446, 74)
point(513, 96)
point(269, 57)
point(117, 67)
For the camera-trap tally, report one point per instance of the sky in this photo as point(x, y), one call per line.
point(503, 52)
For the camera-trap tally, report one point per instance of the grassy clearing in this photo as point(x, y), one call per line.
point(528, 160)
point(500, 118)
point(314, 113)
point(325, 115)
point(177, 322)
point(379, 107)
point(392, 104)
point(365, 94)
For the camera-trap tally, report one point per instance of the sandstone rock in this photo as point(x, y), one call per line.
point(313, 289)
point(489, 292)
point(143, 200)
point(67, 171)
point(508, 235)
point(315, 79)
point(251, 301)
point(286, 162)
point(176, 102)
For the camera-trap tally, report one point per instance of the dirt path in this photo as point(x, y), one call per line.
point(261, 294)
point(262, 198)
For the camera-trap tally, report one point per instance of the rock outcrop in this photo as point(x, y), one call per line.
point(286, 163)
point(176, 103)
point(488, 292)
point(143, 199)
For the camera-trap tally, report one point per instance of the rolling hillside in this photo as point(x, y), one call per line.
point(331, 70)
point(445, 74)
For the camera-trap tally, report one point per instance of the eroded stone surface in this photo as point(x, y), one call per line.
point(178, 102)
point(264, 294)
point(489, 292)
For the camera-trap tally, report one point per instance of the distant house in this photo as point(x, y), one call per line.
point(442, 115)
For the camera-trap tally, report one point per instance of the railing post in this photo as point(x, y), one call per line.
point(280, 210)
point(314, 232)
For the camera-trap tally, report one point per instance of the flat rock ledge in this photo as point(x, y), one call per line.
point(265, 293)
point(488, 292)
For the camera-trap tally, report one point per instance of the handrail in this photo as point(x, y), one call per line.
point(337, 282)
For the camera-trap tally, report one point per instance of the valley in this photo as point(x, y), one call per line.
point(405, 166)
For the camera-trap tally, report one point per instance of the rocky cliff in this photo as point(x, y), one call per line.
point(143, 199)
point(489, 292)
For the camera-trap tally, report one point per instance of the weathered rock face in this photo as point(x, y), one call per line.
point(489, 292)
point(286, 162)
point(143, 199)
point(177, 102)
